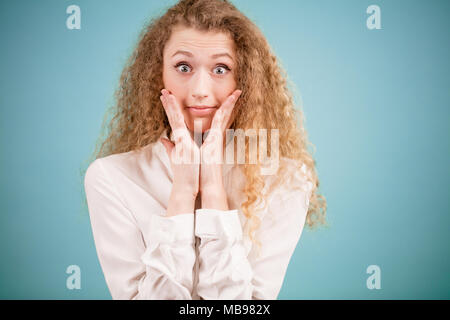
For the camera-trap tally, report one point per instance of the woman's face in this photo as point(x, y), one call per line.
point(199, 71)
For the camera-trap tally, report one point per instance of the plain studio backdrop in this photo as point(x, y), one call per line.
point(376, 105)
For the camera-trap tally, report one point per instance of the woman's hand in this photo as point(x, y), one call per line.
point(211, 154)
point(184, 158)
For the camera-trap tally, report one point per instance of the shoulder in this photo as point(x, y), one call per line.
point(292, 184)
point(102, 167)
point(140, 178)
point(287, 199)
point(123, 166)
point(298, 175)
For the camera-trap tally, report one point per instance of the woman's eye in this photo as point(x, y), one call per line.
point(184, 67)
point(222, 69)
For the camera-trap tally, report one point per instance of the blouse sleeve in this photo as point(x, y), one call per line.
point(227, 271)
point(163, 269)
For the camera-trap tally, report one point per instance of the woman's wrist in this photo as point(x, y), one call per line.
point(214, 198)
point(181, 201)
point(184, 191)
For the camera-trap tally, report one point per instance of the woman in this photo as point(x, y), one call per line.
point(171, 229)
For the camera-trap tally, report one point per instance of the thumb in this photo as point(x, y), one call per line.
point(168, 145)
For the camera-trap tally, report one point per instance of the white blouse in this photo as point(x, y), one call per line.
point(201, 255)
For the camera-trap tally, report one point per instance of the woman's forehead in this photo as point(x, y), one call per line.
point(190, 40)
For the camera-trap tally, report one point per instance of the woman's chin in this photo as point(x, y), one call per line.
point(200, 125)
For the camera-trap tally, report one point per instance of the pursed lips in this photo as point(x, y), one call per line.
point(201, 111)
point(201, 107)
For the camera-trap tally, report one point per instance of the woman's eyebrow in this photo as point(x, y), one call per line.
point(214, 56)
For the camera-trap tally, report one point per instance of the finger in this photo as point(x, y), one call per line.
point(221, 118)
point(168, 145)
point(169, 111)
point(173, 111)
point(222, 115)
point(175, 117)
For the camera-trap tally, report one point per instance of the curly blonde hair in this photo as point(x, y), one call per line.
point(266, 101)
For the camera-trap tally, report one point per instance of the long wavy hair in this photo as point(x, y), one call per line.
point(138, 117)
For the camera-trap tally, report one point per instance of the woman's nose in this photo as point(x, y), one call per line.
point(200, 86)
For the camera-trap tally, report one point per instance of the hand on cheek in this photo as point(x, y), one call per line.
point(184, 154)
point(211, 154)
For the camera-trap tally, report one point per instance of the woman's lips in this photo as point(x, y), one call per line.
point(201, 111)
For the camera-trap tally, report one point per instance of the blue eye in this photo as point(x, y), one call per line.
point(225, 69)
point(187, 68)
point(184, 65)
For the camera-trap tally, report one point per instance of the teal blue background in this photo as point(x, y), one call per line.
point(376, 105)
